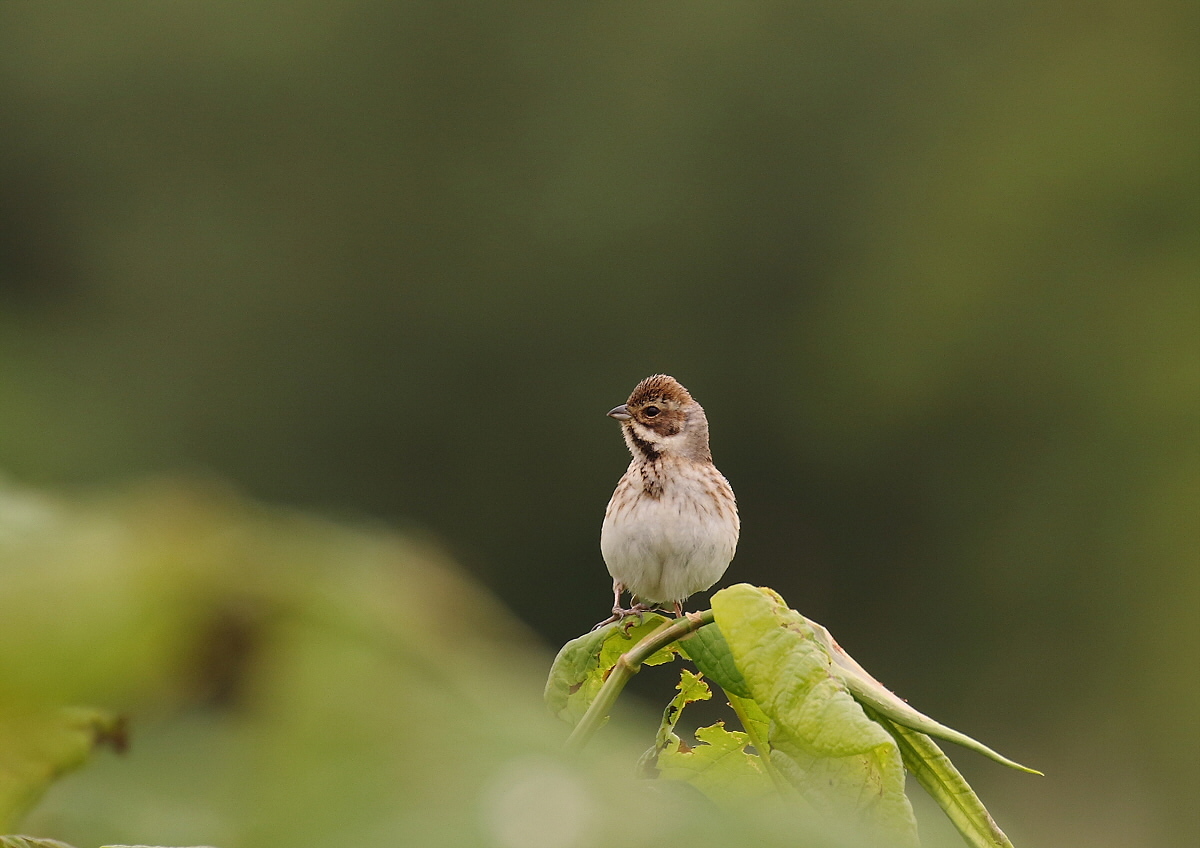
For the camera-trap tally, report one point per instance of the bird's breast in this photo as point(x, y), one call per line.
point(667, 535)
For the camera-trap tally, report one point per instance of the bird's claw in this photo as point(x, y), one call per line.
point(626, 617)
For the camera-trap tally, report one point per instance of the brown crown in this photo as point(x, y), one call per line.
point(660, 388)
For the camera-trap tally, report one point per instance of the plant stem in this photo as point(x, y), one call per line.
point(627, 666)
point(763, 747)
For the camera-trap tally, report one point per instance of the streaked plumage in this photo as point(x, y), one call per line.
point(672, 526)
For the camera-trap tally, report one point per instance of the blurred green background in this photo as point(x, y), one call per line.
point(932, 268)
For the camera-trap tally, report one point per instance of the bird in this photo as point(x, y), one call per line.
point(672, 526)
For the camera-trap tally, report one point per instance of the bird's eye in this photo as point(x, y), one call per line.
point(651, 411)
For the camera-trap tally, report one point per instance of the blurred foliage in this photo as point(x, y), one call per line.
point(37, 747)
point(31, 842)
point(932, 269)
point(290, 681)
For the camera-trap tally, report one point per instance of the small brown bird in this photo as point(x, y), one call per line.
point(672, 525)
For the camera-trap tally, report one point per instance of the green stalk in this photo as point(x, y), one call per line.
point(945, 784)
point(762, 745)
point(627, 666)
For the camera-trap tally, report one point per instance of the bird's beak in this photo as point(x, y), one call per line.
point(621, 413)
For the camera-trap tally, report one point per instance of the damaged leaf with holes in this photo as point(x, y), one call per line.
point(719, 765)
point(691, 688)
point(583, 664)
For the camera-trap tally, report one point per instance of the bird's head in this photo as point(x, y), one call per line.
point(661, 419)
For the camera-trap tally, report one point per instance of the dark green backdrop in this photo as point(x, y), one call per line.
point(932, 269)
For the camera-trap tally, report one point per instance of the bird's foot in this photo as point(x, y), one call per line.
point(639, 609)
point(619, 614)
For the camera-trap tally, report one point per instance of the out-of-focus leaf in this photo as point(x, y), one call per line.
point(934, 771)
point(708, 649)
point(322, 684)
point(840, 760)
point(36, 749)
point(582, 665)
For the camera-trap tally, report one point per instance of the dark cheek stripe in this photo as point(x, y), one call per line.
point(645, 447)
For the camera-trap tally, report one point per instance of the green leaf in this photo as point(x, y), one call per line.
point(691, 688)
point(37, 749)
point(821, 740)
point(934, 771)
point(708, 649)
point(719, 766)
point(757, 725)
point(753, 719)
point(871, 693)
point(582, 665)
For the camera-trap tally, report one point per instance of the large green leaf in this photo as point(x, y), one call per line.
point(708, 649)
point(840, 760)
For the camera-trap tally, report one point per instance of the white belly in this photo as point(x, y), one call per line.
point(667, 548)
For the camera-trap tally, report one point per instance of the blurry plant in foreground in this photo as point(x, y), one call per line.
point(288, 681)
